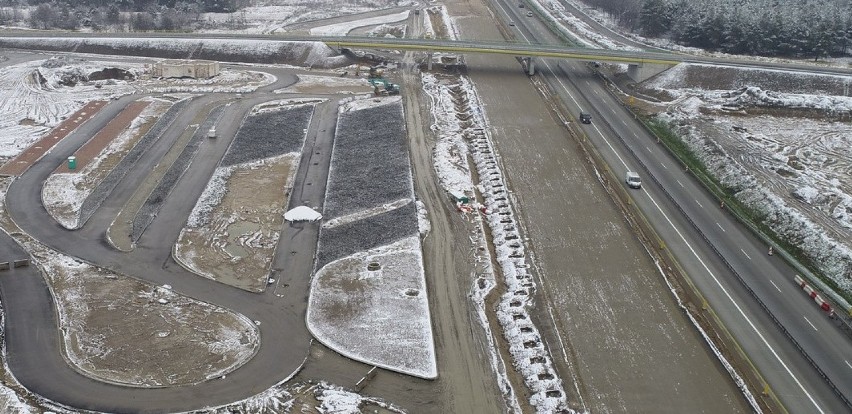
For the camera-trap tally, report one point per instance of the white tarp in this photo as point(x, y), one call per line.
point(302, 213)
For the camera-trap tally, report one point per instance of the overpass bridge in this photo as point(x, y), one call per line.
point(641, 64)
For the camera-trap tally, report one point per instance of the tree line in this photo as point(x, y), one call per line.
point(114, 15)
point(791, 28)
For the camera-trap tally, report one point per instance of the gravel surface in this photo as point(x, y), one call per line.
point(269, 134)
point(380, 230)
point(155, 201)
point(99, 194)
point(369, 163)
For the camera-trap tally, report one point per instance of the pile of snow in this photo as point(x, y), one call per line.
point(302, 213)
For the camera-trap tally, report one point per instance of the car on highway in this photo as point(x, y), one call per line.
point(521, 5)
point(511, 22)
point(585, 117)
point(632, 179)
point(529, 14)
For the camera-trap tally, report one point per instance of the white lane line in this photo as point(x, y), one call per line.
point(706, 268)
point(664, 166)
point(720, 226)
point(678, 181)
point(699, 203)
point(847, 363)
point(736, 305)
point(773, 284)
point(749, 257)
point(613, 110)
point(635, 135)
point(809, 323)
point(649, 150)
point(623, 123)
point(597, 93)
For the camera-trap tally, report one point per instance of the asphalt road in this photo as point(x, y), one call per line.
point(33, 342)
point(724, 260)
point(715, 250)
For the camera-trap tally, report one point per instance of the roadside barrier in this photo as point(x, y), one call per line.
point(813, 294)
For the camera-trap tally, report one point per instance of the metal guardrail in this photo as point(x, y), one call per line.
point(727, 264)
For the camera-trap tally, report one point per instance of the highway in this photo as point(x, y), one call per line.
point(723, 259)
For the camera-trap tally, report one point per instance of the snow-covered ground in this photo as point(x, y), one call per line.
point(378, 315)
point(786, 155)
point(342, 29)
point(281, 17)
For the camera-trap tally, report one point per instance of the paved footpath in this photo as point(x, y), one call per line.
point(25, 159)
point(113, 129)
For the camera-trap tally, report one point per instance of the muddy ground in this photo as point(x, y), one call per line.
point(236, 245)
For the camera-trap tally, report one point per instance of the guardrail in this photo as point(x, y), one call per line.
point(686, 292)
point(725, 261)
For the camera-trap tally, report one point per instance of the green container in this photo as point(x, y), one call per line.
point(72, 162)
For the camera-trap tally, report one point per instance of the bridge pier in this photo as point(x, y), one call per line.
point(429, 60)
point(528, 64)
point(642, 71)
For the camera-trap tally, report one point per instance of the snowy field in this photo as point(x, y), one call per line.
point(284, 15)
point(785, 153)
point(377, 316)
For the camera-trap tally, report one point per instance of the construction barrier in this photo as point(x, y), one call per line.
point(21, 263)
point(813, 294)
point(363, 381)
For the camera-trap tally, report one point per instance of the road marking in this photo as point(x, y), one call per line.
point(847, 363)
point(635, 135)
point(649, 150)
point(773, 284)
point(720, 226)
point(612, 110)
point(706, 268)
point(678, 181)
point(736, 305)
point(664, 166)
point(623, 123)
point(699, 204)
point(809, 323)
point(596, 92)
point(746, 255)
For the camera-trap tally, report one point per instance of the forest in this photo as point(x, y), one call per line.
point(789, 28)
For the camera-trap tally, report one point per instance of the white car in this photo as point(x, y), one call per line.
point(632, 179)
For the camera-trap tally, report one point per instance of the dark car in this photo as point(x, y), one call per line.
point(521, 5)
point(585, 118)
